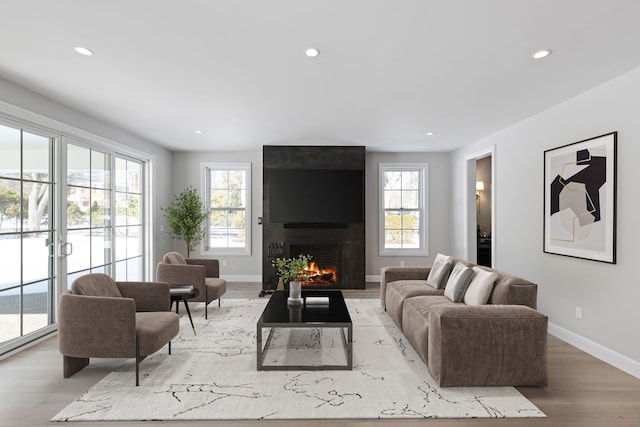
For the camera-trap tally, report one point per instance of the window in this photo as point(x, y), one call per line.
point(228, 201)
point(403, 209)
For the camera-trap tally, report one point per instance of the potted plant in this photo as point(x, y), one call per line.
point(294, 271)
point(186, 217)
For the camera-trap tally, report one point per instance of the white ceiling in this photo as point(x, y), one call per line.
point(389, 70)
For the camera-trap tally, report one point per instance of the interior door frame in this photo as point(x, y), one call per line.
point(470, 241)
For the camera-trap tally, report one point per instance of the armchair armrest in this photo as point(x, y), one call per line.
point(90, 326)
point(391, 274)
point(148, 296)
point(181, 274)
point(212, 266)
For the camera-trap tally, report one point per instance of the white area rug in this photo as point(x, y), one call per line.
point(212, 376)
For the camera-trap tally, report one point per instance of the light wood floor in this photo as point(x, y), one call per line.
point(582, 390)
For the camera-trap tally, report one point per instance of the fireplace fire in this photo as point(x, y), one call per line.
point(324, 266)
point(320, 276)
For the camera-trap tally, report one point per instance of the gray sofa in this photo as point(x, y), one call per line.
point(500, 342)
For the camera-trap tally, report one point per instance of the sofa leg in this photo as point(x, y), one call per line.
point(71, 365)
point(169, 347)
point(218, 302)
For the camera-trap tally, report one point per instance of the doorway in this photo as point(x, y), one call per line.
point(480, 214)
point(484, 211)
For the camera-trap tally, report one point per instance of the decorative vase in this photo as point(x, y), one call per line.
point(295, 293)
point(295, 313)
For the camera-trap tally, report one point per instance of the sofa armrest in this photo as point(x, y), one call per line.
point(489, 345)
point(512, 290)
point(90, 326)
point(212, 266)
point(391, 274)
point(149, 296)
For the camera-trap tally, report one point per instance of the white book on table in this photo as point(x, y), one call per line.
point(317, 300)
point(181, 289)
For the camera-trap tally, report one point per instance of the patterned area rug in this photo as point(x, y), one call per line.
point(213, 376)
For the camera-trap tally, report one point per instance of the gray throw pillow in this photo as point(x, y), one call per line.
point(439, 273)
point(458, 282)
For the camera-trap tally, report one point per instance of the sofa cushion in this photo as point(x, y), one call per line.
point(439, 272)
point(400, 290)
point(96, 285)
point(480, 287)
point(458, 282)
point(415, 321)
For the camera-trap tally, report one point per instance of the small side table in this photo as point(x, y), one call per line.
point(184, 293)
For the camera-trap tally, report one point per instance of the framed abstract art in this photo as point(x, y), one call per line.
point(580, 199)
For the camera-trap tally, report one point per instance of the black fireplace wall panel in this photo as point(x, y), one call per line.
point(349, 236)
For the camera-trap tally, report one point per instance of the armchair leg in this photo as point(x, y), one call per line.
point(218, 302)
point(71, 365)
point(137, 362)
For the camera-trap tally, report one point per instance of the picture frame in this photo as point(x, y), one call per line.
point(580, 199)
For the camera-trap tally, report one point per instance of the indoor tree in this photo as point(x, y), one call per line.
point(186, 217)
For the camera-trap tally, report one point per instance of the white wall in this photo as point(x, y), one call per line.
point(54, 112)
point(607, 293)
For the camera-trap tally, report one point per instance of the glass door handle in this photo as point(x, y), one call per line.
point(65, 249)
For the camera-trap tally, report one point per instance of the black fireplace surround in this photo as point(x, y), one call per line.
point(313, 203)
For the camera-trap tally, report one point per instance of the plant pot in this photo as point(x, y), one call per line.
point(295, 293)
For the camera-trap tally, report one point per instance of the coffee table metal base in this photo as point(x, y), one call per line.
point(347, 341)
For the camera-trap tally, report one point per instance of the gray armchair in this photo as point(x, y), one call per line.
point(103, 318)
point(203, 274)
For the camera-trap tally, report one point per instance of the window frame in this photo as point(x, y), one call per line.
point(423, 208)
point(206, 191)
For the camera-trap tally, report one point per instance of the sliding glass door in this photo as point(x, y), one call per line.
point(67, 208)
point(87, 233)
point(104, 229)
point(27, 232)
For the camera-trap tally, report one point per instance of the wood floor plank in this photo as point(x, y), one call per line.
point(582, 391)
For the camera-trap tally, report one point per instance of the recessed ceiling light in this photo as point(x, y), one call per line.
point(312, 52)
point(83, 51)
point(541, 54)
point(199, 132)
point(430, 133)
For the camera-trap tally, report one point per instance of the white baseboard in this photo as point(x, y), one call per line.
point(372, 278)
point(242, 278)
point(258, 279)
point(605, 354)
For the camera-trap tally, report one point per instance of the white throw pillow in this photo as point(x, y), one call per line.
point(480, 288)
point(458, 282)
point(439, 272)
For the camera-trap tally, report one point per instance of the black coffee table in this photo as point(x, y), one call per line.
point(277, 314)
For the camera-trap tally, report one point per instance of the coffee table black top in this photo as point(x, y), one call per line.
point(277, 312)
